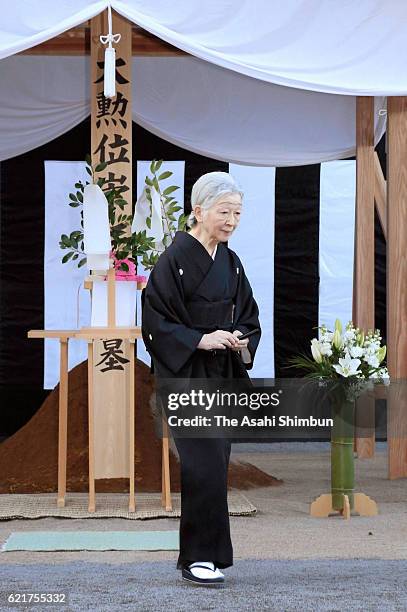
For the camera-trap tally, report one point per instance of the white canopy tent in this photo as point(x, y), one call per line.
point(273, 106)
point(333, 47)
point(194, 104)
point(299, 60)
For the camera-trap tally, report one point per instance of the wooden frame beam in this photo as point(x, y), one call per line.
point(397, 284)
point(363, 279)
point(363, 298)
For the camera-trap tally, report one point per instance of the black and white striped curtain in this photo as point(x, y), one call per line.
point(295, 240)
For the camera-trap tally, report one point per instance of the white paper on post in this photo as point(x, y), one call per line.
point(142, 212)
point(96, 228)
point(157, 229)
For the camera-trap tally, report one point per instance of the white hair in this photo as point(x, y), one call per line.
point(208, 189)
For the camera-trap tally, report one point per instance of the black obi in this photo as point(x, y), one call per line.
point(210, 316)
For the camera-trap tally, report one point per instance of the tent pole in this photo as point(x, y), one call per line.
point(363, 279)
point(397, 285)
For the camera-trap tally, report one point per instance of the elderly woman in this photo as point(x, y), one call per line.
point(197, 303)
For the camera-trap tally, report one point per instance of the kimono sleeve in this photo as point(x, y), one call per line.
point(166, 334)
point(246, 313)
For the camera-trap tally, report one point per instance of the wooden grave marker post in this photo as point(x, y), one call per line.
point(111, 142)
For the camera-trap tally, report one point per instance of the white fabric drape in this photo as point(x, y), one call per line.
point(253, 241)
point(336, 241)
point(352, 48)
point(66, 302)
point(228, 116)
point(189, 102)
point(25, 23)
point(40, 99)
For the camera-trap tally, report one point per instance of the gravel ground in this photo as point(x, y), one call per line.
point(365, 585)
point(284, 559)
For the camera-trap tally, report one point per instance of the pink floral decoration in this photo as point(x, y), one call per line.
point(126, 275)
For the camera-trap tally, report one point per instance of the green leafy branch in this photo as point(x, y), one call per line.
point(312, 369)
point(137, 246)
point(169, 208)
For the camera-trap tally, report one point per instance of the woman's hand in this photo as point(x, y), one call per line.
point(241, 344)
point(220, 339)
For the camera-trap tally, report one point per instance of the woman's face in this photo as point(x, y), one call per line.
point(222, 218)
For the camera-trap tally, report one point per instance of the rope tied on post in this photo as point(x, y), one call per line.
point(110, 58)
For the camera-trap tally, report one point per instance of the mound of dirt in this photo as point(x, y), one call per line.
point(29, 458)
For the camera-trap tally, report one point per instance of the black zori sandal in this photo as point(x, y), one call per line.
point(190, 577)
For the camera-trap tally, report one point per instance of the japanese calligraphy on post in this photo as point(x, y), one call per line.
point(112, 117)
point(111, 144)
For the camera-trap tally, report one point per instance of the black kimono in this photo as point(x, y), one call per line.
point(190, 294)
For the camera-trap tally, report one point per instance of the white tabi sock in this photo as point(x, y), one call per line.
point(200, 572)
